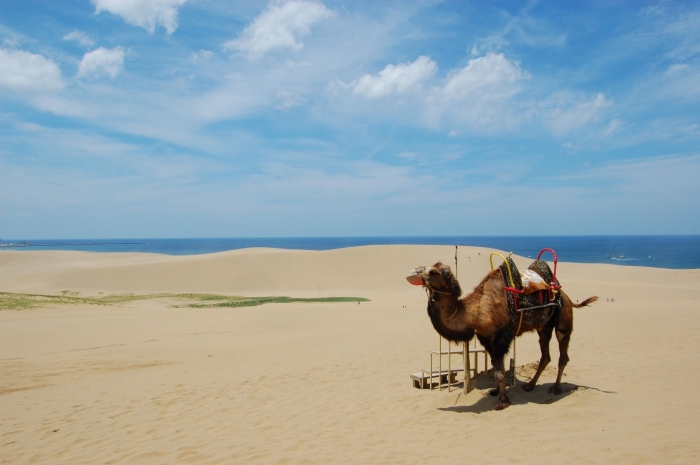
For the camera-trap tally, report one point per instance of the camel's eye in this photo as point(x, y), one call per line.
point(433, 273)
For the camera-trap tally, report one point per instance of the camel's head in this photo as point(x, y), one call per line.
point(438, 277)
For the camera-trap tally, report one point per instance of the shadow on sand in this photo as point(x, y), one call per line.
point(516, 394)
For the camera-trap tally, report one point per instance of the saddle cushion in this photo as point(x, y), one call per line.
point(538, 298)
point(532, 282)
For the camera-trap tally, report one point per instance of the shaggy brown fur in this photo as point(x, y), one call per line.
point(484, 312)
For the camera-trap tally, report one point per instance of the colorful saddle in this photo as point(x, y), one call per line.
point(534, 298)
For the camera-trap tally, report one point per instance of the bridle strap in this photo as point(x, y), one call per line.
point(430, 290)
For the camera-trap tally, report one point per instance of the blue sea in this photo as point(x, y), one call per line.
point(677, 252)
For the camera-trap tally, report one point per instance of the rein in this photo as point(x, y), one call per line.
point(430, 290)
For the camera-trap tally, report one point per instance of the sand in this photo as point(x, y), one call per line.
point(145, 382)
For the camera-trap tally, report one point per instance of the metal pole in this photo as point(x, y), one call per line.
point(512, 362)
point(449, 344)
point(440, 364)
point(449, 366)
point(456, 269)
point(431, 371)
point(467, 373)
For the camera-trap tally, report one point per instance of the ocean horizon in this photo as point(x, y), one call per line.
point(667, 251)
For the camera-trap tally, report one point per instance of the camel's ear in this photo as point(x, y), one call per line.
point(451, 281)
point(446, 272)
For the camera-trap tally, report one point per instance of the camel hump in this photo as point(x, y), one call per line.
point(541, 267)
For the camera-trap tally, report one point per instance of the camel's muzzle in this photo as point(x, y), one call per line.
point(416, 276)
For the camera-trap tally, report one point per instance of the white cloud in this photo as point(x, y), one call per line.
point(237, 97)
point(144, 13)
point(611, 127)
point(337, 87)
point(489, 44)
point(477, 95)
point(564, 112)
point(682, 25)
point(102, 62)
point(659, 184)
point(676, 69)
point(21, 70)
point(80, 37)
point(680, 81)
point(279, 26)
point(491, 76)
point(288, 99)
point(395, 79)
point(202, 55)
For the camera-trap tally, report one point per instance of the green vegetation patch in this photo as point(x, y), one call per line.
point(17, 301)
point(12, 301)
point(254, 301)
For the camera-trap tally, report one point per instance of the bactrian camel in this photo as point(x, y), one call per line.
point(485, 313)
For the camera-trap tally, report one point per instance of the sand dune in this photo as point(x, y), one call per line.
point(143, 382)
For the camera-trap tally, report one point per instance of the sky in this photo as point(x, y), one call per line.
point(203, 118)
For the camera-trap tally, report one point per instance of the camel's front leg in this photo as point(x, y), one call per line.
point(563, 336)
point(498, 347)
point(500, 375)
point(545, 337)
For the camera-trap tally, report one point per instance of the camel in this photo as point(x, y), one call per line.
point(485, 313)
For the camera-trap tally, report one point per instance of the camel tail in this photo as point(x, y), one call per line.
point(586, 302)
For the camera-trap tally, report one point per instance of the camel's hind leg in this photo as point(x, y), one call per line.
point(563, 336)
point(545, 336)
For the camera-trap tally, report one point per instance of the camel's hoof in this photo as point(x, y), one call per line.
point(556, 390)
point(528, 387)
point(502, 405)
point(494, 392)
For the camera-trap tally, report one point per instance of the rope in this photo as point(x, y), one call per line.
point(453, 314)
point(430, 290)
